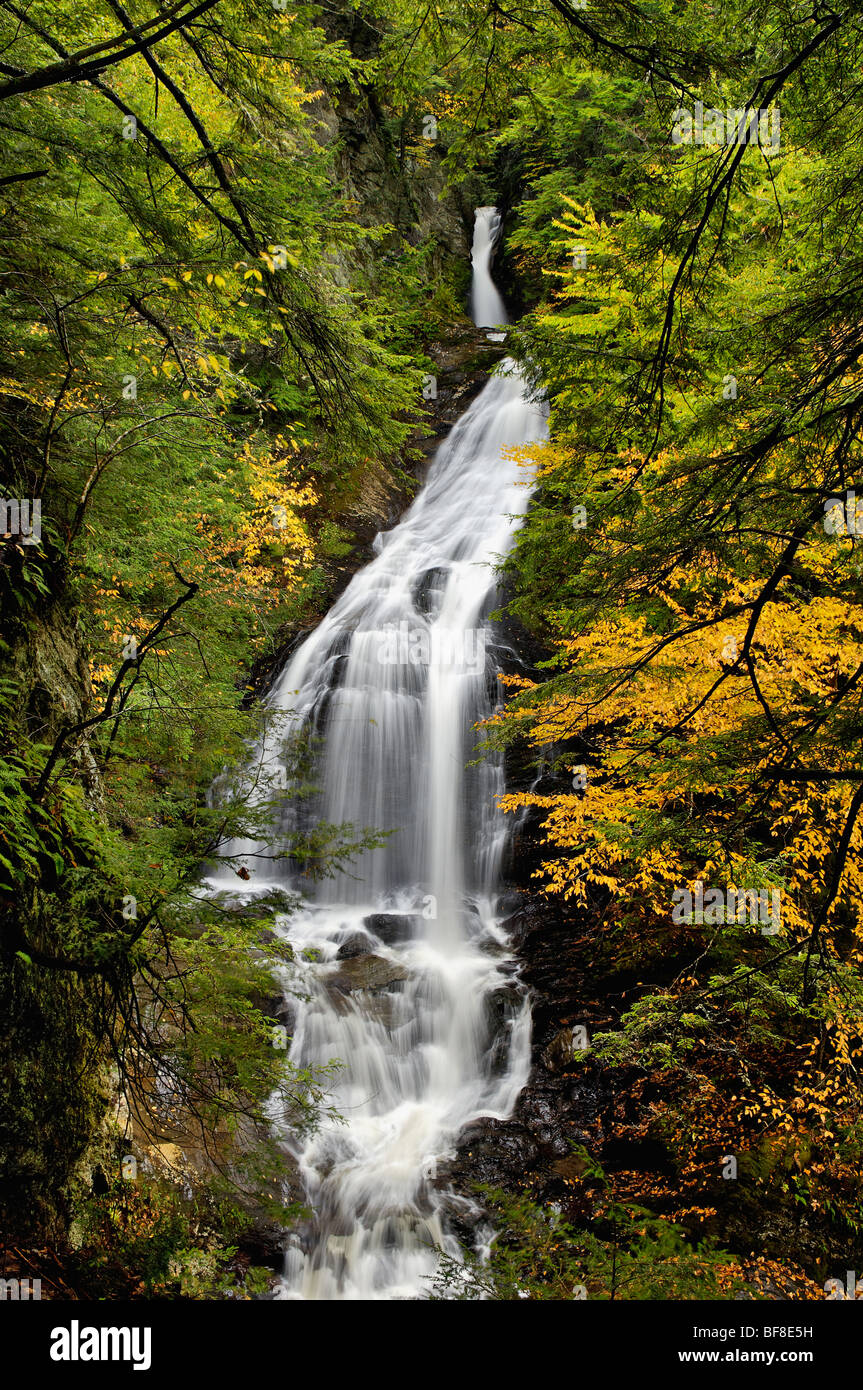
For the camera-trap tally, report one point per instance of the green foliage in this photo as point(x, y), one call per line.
point(207, 344)
point(654, 1032)
point(621, 1252)
point(174, 1245)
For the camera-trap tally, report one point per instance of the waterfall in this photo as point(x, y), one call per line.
point(411, 984)
point(487, 307)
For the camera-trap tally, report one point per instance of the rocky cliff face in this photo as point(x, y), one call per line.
point(390, 185)
point(52, 1091)
point(46, 665)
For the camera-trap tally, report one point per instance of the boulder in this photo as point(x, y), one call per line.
point(390, 927)
point(356, 943)
point(367, 972)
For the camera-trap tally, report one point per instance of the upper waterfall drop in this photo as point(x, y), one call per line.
point(486, 306)
point(406, 976)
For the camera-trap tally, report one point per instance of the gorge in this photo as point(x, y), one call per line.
point(371, 715)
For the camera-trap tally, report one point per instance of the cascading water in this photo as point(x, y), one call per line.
point(412, 987)
point(486, 306)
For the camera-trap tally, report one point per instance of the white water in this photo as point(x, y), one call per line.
point(487, 307)
point(393, 680)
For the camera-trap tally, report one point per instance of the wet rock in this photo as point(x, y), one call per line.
point(502, 1007)
point(427, 591)
point(357, 943)
point(504, 1004)
point(382, 1008)
point(367, 972)
point(271, 1005)
point(510, 902)
point(390, 927)
point(285, 1012)
point(494, 1152)
point(264, 1243)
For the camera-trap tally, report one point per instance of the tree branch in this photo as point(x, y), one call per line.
point(74, 69)
point(107, 710)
